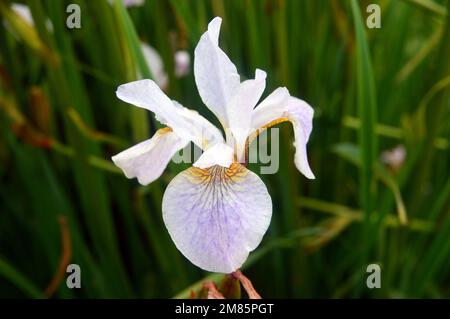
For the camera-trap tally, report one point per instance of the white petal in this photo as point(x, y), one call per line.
point(271, 108)
point(217, 216)
point(219, 154)
point(280, 105)
point(186, 123)
point(204, 134)
point(216, 76)
point(301, 115)
point(241, 106)
point(155, 64)
point(147, 160)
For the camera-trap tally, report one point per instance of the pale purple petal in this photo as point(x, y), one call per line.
point(217, 216)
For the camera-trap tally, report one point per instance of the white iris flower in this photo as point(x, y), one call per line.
point(217, 211)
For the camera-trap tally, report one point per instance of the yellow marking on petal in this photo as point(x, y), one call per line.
point(217, 174)
point(164, 130)
point(256, 133)
point(264, 127)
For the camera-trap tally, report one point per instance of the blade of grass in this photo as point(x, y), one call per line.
point(366, 100)
point(11, 274)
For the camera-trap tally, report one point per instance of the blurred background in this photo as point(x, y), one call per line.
point(379, 147)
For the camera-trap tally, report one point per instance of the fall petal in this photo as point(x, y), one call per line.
point(148, 160)
point(216, 216)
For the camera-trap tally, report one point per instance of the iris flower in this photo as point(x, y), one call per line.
point(216, 211)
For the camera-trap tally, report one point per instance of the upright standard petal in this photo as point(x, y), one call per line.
point(216, 76)
point(147, 160)
point(186, 123)
point(280, 106)
point(240, 109)
point(216, 216)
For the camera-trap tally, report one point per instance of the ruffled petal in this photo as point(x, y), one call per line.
point(216, 216)
point(280, 105)
point(215, 75)
point(147, 160)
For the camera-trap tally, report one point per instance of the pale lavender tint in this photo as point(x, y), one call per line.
point(215, 217)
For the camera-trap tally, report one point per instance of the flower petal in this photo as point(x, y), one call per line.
point(147, 160)
point(240, 109)
point(217, 216)
point(280, 105)
point(301, 115)
point(186, 123)
point(271, 108)
point(219, 154)
point(216, 76)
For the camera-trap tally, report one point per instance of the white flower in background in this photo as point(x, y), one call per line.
point(216, 211)
point(155, 64)
point(24, 12)
point(395, 157)
point(132, 3)
point(182, 63)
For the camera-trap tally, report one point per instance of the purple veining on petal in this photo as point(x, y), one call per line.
point(217, 216)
